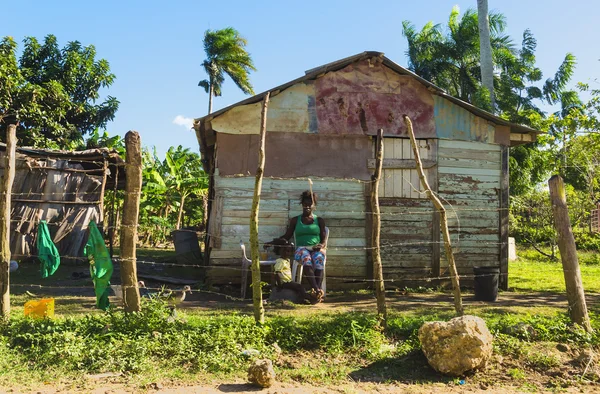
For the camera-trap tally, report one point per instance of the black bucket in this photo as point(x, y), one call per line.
point(187, 247)
point(486, 283)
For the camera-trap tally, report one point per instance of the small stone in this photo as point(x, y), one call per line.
point(276, 348)
point(457, 346)
point(563, 347)
point(261, 373)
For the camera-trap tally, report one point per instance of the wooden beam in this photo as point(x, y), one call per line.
point(131, 209)
point(375, 246)
point(568, 254)
point(404, 164)
point(503, 218)
point(5, 192)
point(444, 221)
point(435, 219)
point(24, 200)
point(259, 310)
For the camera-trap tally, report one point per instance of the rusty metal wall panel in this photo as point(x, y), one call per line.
point(454, 122)
point(292, 110)
point(364, 97)
point(296, 155)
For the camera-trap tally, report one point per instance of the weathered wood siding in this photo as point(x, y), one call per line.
point(469, 183)
point(341, 201)
point(406, 238)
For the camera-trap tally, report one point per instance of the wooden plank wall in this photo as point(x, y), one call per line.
point(340, 202)
point(406, 234)
point(469, 184)
point(402, 183)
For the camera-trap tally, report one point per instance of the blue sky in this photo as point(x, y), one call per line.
point(155, 47)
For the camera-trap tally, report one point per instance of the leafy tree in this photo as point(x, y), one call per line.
point(225, 55)
point(450, 58)
point(51, 93)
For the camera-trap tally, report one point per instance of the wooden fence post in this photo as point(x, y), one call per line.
point(259, 310)
point(568, 254)
point(377, 268)
point(131, 208)
point(458, 307)
point(5, 195)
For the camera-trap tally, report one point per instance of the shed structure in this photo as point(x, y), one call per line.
point(322, 126)
point(64, 188)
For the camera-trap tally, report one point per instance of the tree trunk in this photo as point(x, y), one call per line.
point(259, 310)
point(5, 195)
point(377, 268)
point(131, 209)
point(485, 50)
point(210, 98)
point(568, 254)
point(180, 213)
point(458, 307)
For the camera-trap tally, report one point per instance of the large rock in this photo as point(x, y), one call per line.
point(457, 346)
point(261, 373)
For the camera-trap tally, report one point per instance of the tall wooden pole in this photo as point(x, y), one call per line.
point(458, 307)
point(5, 194)
point(259, 310)
point(568, 254)
point(377, 268)
point(131, 209)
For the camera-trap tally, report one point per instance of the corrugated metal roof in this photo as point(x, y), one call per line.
point(339, 64)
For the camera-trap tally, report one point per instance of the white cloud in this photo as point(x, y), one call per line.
point(181, 120)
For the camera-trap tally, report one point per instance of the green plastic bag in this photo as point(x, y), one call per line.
point(101, 267)
point(47, 252)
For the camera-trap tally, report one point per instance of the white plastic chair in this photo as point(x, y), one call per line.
point(297, 268)
point(246, 263)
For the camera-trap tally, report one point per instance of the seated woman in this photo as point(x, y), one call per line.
point(310, 236)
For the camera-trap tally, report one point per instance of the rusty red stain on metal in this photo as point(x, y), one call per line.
point(362, 98)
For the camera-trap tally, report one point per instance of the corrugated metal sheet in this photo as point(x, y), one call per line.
point(454, 122)
point(365, 96)
point(289, 111)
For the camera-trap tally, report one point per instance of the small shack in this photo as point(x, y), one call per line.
point(64, 188)
point(322, 125)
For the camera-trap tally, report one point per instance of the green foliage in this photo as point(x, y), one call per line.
point(531, 219)
point(173, 193)
point(52, 94)
point(449, 57)
point(226, 55)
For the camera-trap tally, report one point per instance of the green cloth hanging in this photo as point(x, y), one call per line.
point(47, 252)
point(101, 267)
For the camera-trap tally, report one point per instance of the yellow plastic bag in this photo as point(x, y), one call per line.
point(40, 309)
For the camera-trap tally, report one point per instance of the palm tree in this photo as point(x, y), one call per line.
point(225, 54)
point(485, 50)
point(451, 58)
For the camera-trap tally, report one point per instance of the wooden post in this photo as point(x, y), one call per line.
point(112, 224)
point(102, 189)
point(5, 194)
point(375, 246)
point(458, 307)
point(259, 310)
point(568, 254)
point(131, 208)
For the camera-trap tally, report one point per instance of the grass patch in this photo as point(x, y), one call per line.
point(149, 347)
point(533, 272)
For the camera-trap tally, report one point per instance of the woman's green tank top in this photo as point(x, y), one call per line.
point(307, 234)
